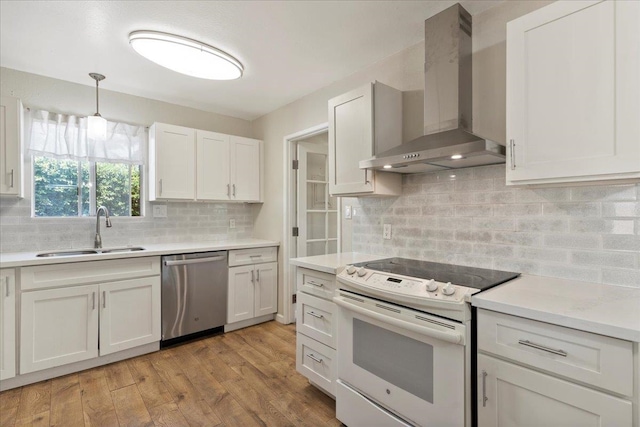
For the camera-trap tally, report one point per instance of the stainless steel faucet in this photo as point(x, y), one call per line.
point(107, 221)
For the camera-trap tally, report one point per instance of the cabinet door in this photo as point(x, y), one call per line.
point(350, 140)
point(521, 397)
point(7, 324)
point(10, 146)
point(172, 154)
point(212, 166)
point(240, 302)
point(245, 169)
point(57, 327)
point(129, 314)
point(266, 289)
point(573, 93)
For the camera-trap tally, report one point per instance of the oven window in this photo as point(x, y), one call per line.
point(400, 360)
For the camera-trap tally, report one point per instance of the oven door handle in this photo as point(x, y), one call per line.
point(452, 337)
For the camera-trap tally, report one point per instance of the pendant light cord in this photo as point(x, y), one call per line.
point(97, 101)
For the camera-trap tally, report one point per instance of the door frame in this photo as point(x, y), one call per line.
point(289, 209)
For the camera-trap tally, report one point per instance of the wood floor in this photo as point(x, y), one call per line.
point(242, 378)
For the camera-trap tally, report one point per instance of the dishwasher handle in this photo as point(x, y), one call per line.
point(194, 261)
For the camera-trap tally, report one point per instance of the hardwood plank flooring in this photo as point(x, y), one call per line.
point(244, 378)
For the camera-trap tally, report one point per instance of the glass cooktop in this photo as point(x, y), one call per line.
point(472, 277)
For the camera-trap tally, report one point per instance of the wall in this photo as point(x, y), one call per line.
point(403, 71)
point(185, 221)
point(470, 217)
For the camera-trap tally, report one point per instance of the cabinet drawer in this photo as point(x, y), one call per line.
point(317, 362)
point(316, 282)
point(316, 319)
point(589, 358)
point(252, 256)
point(81, 273)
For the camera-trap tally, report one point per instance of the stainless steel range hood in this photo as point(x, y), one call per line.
point(447, 142)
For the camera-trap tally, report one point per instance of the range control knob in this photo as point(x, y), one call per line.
point(432, 285)
point(448, 289)
point(362, 271)
point(351, 269)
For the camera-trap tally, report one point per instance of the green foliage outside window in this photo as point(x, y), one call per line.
point(59, 192)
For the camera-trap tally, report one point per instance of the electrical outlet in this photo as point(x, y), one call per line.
point(232, 223)
point(159, 211)
point(386, 231)
point(347, 212)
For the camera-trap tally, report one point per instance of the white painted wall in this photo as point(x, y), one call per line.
point(185, 222)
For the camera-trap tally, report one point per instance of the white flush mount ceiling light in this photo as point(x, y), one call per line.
point(186, 56)
point(96, 124)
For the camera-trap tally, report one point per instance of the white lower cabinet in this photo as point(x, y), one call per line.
point(87, 315)
point(58, 326)
point(253, 285)
point(531, 374)
point(129, 314)
point(316, 328)
point(7, 324)
point(515, 396)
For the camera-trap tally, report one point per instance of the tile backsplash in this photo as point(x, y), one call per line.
point(470, 217)
point(185, 222)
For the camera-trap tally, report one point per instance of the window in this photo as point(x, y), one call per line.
point(76, 188)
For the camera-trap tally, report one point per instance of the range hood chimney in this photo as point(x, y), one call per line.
point(447, 142)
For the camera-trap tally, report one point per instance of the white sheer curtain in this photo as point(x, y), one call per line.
point(65, 137)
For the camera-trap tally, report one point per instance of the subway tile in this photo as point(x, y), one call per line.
point(571, 241)
point(455, 247)
point(621, 243)
point(517, 238)
point(601, 192)
point(455, 175)
point(494, 171)
point(570, 272)
point(473, 236)
point(521, 209)
point(431, 210)
point(407, 210)
point(493, 250)
point(542, 225)
point(493, 223)
point(621, 277)
point(607, 259)
point(571, 209)
point(474, 210)
point(455, 223)
point(605, 226)
point(621, 209)
point(527, 195)
point(542, 254)
point(441, 234)
point(516, 265)
point(474, 185)
point(438, 187)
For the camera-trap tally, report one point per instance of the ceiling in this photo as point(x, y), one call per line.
point(288, 48)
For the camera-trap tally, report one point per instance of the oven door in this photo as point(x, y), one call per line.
point(408, 362)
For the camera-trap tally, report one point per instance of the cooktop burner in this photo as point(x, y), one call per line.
point(472, 277)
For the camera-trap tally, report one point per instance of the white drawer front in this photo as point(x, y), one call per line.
point(252, 256)
point(316, 319)
point(317, 362)
point(81, 273)
point(589, 358)
point(316, 283)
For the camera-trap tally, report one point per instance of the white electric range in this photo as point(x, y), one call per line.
point(404, 342)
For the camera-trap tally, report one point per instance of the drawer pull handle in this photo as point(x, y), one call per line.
point(543, 348)
point(315, 359)
point(255, 256)
point(484, 389)
point(319, 316)
point(311, 282)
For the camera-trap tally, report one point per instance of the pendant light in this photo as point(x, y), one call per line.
point(186, 56)
point(96, 124)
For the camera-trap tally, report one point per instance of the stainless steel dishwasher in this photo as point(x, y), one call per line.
point(194, 295)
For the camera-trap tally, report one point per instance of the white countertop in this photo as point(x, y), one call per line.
point(22, 259)
point(602, 309)
point(330, 263)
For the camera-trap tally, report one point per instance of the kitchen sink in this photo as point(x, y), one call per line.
point(71, 252)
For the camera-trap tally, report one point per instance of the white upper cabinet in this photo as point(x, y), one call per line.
point(245, 169)
point(573, 93)
point(212, 166)
point(11, 147)
point(172, 162)
point(363, 122)
point(193, 164)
